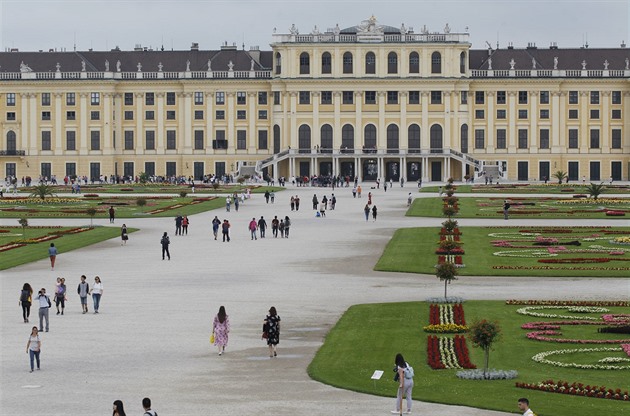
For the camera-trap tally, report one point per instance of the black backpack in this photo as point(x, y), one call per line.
point(24, 296)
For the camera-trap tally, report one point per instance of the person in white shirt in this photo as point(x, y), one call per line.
point(523, 405)
point(44, 306)
point(96, 292)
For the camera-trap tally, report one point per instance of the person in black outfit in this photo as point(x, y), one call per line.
point(165, 243)
point(262, 226)
point(178, 225)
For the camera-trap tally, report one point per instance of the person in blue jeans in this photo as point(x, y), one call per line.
point(33, 347)
point(97, 292)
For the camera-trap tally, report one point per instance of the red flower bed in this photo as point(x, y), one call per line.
point(433, 353)
point(458, 314)
point(90, 196)
point(434, 315)
point(461, 350)
point(457, 251)
point(580, 260)
point(576, 389)
point(615, 214)
point(568, 303)
point(541, 336)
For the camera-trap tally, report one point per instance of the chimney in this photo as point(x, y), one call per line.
point(254, 52)
point(194, 46)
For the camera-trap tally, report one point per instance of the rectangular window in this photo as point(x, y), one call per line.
point(71, 98)
point(522, 138)
point(370, 97)
point(392, 97)
point(241, 139)
point(501, 139)
point(262, 139)
point(11, 99)
point(46, 169)
point(171, 168)
point(480, 135)
point(198, 98)
point(46, 141)
point(479, 114)
point(594, 97)
point(573, 114)
point(615, 142)
point(71, 169)
point(414, 97)
point(71, 140)
point(170, 98)
point(128, 140)
point(594, 139)
point(305, 97)
point(11, 116)
point(45, 99)
point(199, 145)
point(262, 98)
point(95, 140)
point(522, 97)
point(220, 115)
point(95, 98)
point(522, 114)
point(219, 98)
point(573, 97)
point(241, 98)
point(241, 115)
point(128, 169)
point(436, 97)
point(544, 138)
point(149, 168)
point(544, 97)
point(616, 114)
point(128, 98)
point(71, 115)
point(463, 97)
point(347, 97)
point(262, 114)
point(594, 114)
point(170, 115)
point(501, 97)
point(326, 97)
point(95, 115)
point(149, 98)
point(198, 114)
point(149, 115)
point(128, 115)
point(149, 140)
point(276, 97)
point(480, 97)
point(544, 114)
point(171, 139)
point(45, 115)
point(573, 138)
point(616, 97)
point(501, 114)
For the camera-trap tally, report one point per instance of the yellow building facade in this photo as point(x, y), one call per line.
point(370, 101)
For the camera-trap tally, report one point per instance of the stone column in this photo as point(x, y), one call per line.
point(337, 118)
point(557, 117)
point(230, 115)
point(84, 134)
point(160, 139)
point(251, 117)
point(59, 138)
point(110, 123)
point(512, 117)
point(425, 133)
point(381, 134)
point(604, 136)
point(209, 124)
point(533, 122)
point(185, 122)
point(584, 130)
point(24, 142)
point(490, 144)
point(404, 131)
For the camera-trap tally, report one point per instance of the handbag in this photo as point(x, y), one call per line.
point(265, 332)
point(212, 338)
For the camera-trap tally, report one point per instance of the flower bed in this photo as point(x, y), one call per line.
point(529, 310)
point(576, 389)
point(542, 358)
point(446, 352)
point(445, 328)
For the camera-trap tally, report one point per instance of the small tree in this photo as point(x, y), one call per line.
point(144, 177)
point(183, 194)
point(449, 211)
point(449, 225)
point(446, 272)
point(141, 202)
point(595, 190)
point(215, 185)
point(483, 334)
point(23, 223)
point(560, 175)
point(91, 212)
point(42, 191)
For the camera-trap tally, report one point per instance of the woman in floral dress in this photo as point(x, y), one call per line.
point(272, 327)
point(220, 329)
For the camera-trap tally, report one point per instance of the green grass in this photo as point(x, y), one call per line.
point(164, 188)
point(367, 337)
point(401, 253)
point(543, 208)
point(125, 207)
point(38, 251)
point(525, 188)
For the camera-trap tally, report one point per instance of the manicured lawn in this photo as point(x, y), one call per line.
point(525, 188)
point(126, 207)
point(367, 337)
point(161, 189)
point(402, 252)
point(547, 208)
point(37, 251)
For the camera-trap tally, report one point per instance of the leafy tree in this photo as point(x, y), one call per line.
point(560, 175)
point(144, 177)
point(449, 225)
point(42, 191)
point(141, 202)
point(446, 272)
point(91, 212)
point(183, 194)
point(24, 223)
point(595, 190)
point(215, 185)
point(483, 334)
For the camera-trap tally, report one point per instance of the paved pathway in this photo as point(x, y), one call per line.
point(151, 337)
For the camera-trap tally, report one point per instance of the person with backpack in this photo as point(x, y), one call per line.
point(287, 225)
point(60, 294)
point(26, 301)
point(262, 226)
point(44, 306)
point(225, 230)
point(146, 404)
point(404, 377)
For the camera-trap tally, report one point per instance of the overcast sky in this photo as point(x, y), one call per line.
point(31, 25)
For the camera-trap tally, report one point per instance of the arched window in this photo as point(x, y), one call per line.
point(276, 139)
point(347, 139)
point(464, 138)
point(435, 139)
point(326, 133)
point(462, 63)
point(278, 63)
point(436, 63)
point(347, 63)
point(370, 63)
point(414, 63)
point(326, 63)
point(392, 63)
point(305, 63)
point(392, 138)
point(369, 139)
point(11, 141)
point(413, 138)
point(304, 139)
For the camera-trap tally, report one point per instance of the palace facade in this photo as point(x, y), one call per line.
point(371, 101)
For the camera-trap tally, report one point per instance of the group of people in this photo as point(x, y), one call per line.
point(325, 204)
point(278, 226)
point(119, 408)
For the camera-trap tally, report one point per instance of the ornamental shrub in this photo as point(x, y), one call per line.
point(484, 334)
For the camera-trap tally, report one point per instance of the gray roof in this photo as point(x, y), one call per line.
point(567, 58)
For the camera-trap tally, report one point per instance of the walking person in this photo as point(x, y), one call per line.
point(523, 406)
point(225, 230)
point(369, 198)
point(119, 409)
point(52, 254)
point(292, 203)
point(322, 209)
point(404, 376)
point(60, 294)
point(165, 241)
point(34, 347)
point(366, 211)
point(287, 225)
point(253, 226)
point(221, 329)
point(26, 300)
point(374, 212)
point(237, 202)
point(359, 191)
point(228, 203)
point(273, 196)
point(44, 306)
point(315, 202)
point(297, 203)
point(275, 223)
point(96, 292)
point(267, 195)
point(185, 223)
point(178, 224)
point(409, 199)
point(83, 290)
point(112, 214)
point(123, 235)
point(281, 227)
point(271, 327)
point(146, 404)
point(506, 209)
point(354, 192)
point(262, 226)
point(333, 202)
point(216, 222)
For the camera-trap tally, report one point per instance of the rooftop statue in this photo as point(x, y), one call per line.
point(188, 65)
point(370, 26)
point(160, 66)
point(231, 66)
point(606, 65)
point(512, 63)
point(106, 65)
point(294, 30)
point(209, 65)
point(555, 62)
point(82, 66)
point(584, 64)
point(118, 66)
point(25, 68)
point(139, 67)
